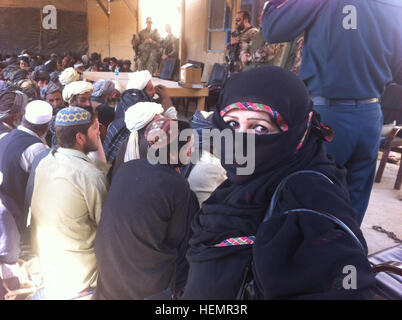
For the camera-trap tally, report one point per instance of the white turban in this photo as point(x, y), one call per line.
point(138, 80)
point(69, 75)
point(85, 59)
point(103, 87)
point(78, 65)
point(136, 118)
point(76, 87)
point(119, 86)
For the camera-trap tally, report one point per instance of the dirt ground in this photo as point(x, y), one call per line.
point(385, 210)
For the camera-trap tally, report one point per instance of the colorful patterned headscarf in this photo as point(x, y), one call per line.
point(276, 117)
point(285, 98)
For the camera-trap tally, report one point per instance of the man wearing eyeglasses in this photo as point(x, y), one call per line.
point(148, 49)
point(240, 40)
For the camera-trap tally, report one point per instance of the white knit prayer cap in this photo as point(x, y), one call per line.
point(38, 112)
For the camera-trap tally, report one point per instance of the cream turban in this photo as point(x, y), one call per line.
point(138, 80)
point(136, 118)
point(75, 88)
point(68, 75)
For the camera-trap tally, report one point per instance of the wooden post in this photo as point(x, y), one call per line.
point(103, 8)
point(229, 3)
point(236, 8)
point(41, 31)
point(182, 52)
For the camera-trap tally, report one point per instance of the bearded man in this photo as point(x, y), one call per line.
point(68, 194)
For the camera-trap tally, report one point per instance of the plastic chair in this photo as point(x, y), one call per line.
point(391, 105)
point(169, 68)
point(215, 84)
point(387, 266)
point(392, 143)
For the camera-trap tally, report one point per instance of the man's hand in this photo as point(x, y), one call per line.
point(164, 57)
point(162, 92)
point(148, 40)
point(245, 58)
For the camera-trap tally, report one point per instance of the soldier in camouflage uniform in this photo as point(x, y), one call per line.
point(293, 56)
point(170, 50)
point(240, 41)
point(147, 47)
point(170, 45)
point(259, 52)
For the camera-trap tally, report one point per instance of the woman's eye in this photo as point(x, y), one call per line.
point(233, 124)
point(261, 129)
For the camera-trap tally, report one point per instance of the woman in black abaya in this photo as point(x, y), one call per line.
point(295, 254)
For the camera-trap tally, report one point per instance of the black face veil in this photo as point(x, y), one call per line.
point(283, 92)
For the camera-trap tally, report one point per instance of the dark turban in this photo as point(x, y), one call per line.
point(11, 102)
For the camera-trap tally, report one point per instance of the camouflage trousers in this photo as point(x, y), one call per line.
point(149, 60)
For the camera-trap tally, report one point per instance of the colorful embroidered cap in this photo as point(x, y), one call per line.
point(72, 116)
point(257, 107)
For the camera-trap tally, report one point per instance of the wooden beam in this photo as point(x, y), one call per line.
point(67, 5)
point(131, 7)
point(182, 52)
point(103, 7)
point(229, 3)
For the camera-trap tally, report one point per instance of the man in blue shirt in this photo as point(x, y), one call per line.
point(352, 50)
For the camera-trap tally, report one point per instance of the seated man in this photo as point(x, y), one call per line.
point(67, 198)
point(12, 106)
point(52, 93)
point(126, 65)
point(100, 101)
point(42, 78)
point(78, 94)
point(10, 238)
point(142, 237)
point(139, 89)
point(68, 75)
point(17, 152)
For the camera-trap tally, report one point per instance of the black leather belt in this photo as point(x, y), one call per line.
point(333, 102)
